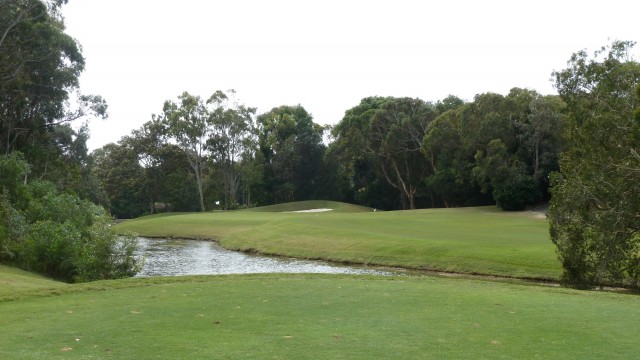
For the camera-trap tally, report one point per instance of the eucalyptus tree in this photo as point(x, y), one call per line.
point(450, 178)
point(39, 69)
point(188, 123)
point(498, 168)
point(379, 146)
point(148, 143)
point(541, 136)
point(357, 166)
point(232, 134)
point(292, 149)
point(595, 207)
point(396, 132)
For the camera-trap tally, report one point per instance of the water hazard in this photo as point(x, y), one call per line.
point(173, 257)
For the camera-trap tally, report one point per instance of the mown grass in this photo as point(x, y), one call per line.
point(15, 283)
point(470, 240)
point(336, 207)
point(319, 317)
point(302, 316)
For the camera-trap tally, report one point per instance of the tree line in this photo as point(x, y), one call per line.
point(387, 152)
point(579, 149)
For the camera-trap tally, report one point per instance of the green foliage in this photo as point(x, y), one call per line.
point(214, 136)
point(596, 196)
point(293, 152)
point(451, 153)
point(496, 146)
point(378, 141)
point(395, 138)
point(12, 228)
point(39, 70)
point(357, 167)
point(51, 249)
point(188, 122)
point(13, 172)
point(58, 234)
point(505, 177)
point(451, 181)
point(516, 192)
point(121, 177)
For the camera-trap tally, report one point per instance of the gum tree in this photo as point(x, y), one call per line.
point(187, 122)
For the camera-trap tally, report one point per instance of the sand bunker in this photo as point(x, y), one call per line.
point(311, 210)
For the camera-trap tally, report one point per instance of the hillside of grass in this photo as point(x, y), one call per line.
point(466, 240)
point(321, 317)
point(337, 207)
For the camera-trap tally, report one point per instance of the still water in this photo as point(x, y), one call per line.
point(172, 257)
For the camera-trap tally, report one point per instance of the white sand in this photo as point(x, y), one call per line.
point(311, 210)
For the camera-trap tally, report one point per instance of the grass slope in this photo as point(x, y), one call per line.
point(337, 207)
point(320, 317)
point(15, 283)
point(467, 240)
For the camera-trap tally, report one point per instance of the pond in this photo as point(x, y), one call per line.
point(173, 257)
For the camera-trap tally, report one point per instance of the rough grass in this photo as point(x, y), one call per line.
point(320, 317)
point(470, 240)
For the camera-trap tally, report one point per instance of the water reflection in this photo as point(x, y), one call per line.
point(172, 257)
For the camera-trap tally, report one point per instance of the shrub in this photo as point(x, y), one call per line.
point(56, 234)
point(516, 193)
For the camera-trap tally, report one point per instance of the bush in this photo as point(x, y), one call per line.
point(106, 256)
point(516, 193)
point(12, 228)
point(71, 239)
point(56, 234)
point(52, 248)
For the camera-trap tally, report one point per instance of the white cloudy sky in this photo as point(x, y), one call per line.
point(327, 54)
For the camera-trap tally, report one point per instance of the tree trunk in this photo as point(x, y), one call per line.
point(199, 179)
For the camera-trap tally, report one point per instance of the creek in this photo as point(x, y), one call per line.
point(174, 257)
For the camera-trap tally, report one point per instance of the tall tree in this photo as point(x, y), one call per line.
point(122, 178)
point(188, 123)
point(395, 140)
point(540, 136)
point(292, 148)
point(450, 179)
point(39, 69)
point(357, 166)
point(232, 134)
point(498, 168)
point(595, 207)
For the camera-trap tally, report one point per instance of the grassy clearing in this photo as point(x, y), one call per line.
point(319, 316)
point(470, 240)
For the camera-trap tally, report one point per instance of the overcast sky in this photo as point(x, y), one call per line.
point(327, 54)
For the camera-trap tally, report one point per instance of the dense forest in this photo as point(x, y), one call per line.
point(578, 149)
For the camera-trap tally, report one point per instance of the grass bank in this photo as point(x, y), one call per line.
point(320, 317)
point(469, 240)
